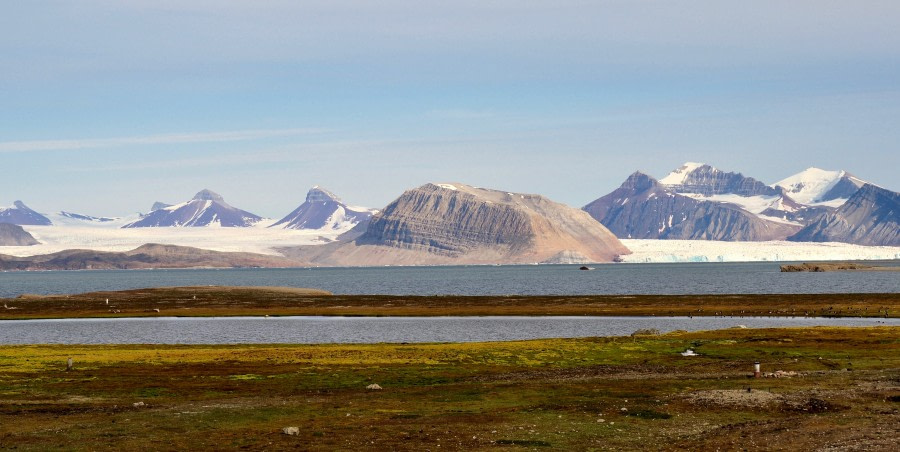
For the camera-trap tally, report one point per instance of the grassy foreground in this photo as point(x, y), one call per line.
point(575, 394)
point(258, 301)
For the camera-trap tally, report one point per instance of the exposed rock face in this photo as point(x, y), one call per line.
point(20, 214)
point(457, 224)
point(146, 256)
point(642, 208)
point(323, 210)
point(207, 208)
point(705, 180)
point(870, 217)
point(14, 235)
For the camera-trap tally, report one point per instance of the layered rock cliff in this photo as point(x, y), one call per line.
point(460, 224)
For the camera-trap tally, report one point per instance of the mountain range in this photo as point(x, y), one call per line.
point(458, 223)
point(698, 201)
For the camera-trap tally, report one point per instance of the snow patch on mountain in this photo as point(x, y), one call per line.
point(812, 185)
point(679, 175)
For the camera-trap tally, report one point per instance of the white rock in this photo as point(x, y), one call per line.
point(374, 387)
point(293, 431)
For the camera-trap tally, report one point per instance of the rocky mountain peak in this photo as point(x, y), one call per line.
point(208, 195)
point(159, 205)
point(22, 215)
point(319, 194)
point(639, 181)
point(707, 181)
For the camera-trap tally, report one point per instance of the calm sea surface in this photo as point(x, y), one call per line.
point(682, 278)
point(309, 330)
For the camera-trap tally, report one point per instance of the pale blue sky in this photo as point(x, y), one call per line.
point(109, 105)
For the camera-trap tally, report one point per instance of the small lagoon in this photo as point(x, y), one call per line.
point(368, 330)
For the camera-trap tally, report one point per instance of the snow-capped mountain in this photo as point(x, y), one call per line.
point(643, 208)
point(724, 203)
point(20, 214)
point(814, 186)
point(324, 210)
point(207, 208)
point(702, 179)
point(870, 217)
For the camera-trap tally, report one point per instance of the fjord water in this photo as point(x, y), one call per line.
point(614, 279)
point(370, 330)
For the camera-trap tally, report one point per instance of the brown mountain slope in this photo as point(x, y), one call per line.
point(440, 224)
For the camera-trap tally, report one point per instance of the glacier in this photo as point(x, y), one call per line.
point(661, 251)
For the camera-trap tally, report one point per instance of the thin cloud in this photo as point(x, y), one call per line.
point(176, 138)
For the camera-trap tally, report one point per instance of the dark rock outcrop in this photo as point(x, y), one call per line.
point(14, 235)
point(22, 215)
point(459, 224)
point(870, 217)
point(322, 210)
point(642, 208)
point(207, 208)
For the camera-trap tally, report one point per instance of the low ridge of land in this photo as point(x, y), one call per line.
point(258, 301)
point(834, 266)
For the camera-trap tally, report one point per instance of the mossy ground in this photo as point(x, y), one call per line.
point(551, 394)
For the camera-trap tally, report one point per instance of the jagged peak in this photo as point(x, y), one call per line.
point(20, 205)
point(208, 195)
point(640, 181)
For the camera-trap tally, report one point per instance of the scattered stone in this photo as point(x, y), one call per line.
point(138, 404)
point(689, 352)
point(374, 387)
point(155, 309)
point(292, 431)
point(781, 374)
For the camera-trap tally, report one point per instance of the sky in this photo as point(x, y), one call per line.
point(109, 105)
